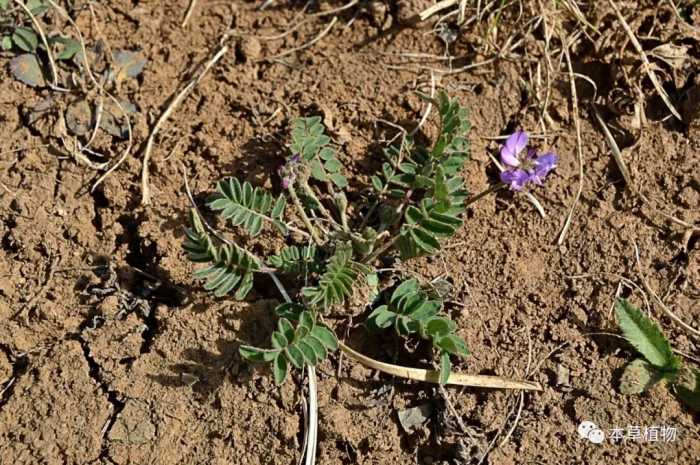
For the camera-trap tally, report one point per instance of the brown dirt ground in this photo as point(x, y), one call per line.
point(168, 386)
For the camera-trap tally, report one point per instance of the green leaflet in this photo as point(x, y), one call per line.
point(645, 336)
point(411, 311)
point(436, 218)
point(230, 267)
point(310, 141)
point(246, 206)
point(336, 284)
point(306, 343)
point(296, 260)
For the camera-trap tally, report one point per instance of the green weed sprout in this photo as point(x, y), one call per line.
point(658, 363)
point(416, 202)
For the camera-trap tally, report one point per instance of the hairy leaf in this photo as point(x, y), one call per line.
point(645, 336)
point(257, 355)
point(638, 377)
point(26, 39)
point(445, 367)
point(279, 368)
point(688, 388)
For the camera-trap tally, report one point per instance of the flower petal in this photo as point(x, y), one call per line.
point(516, 178)
point(543, 165)
point(512, 148)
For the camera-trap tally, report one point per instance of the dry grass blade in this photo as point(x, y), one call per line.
point(579, 149)
point(101, 89)
point(188, 13)
point(438, 7)
point(617, 155)
point(311, 433)
point(645, 62)
point(145, 189)
point(656, 297)
point(49, 53)
point(432, 376)
point(320, 36)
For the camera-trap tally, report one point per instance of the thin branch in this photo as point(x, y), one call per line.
point(432, 376)
point(188, 13)
point(579, 149)
point(304, 46)
point(304, 217)
point(145, 189)
point(49, 54)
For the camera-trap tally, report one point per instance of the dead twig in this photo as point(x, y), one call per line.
point(617, 155)
point(656, 297)
point(579, 145)
point(188, 13)
point(432, 376)
point(320, 36)
point(174, 102)
point(646, 65)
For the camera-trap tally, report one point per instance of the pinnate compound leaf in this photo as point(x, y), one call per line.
point(296, 260)
point(244, 205)
point(336, 284)
point(310, 141)
point(645, 336)
point(230, 266)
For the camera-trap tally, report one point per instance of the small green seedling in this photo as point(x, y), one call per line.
point(416, 201)
point(659, 364)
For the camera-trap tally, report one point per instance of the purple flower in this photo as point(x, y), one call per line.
point(524, 167)
point(288, 171)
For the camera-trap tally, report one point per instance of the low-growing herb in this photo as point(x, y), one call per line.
point(416, 202)
point(658, 363)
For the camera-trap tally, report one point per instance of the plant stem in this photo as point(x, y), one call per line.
point(431, 376)
point(385, 246)
point(310, 192)
point(482, 194)
point(302, 213)
point(393, 240)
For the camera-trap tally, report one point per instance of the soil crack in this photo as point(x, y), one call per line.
point(113, 396)
point(20, 366)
